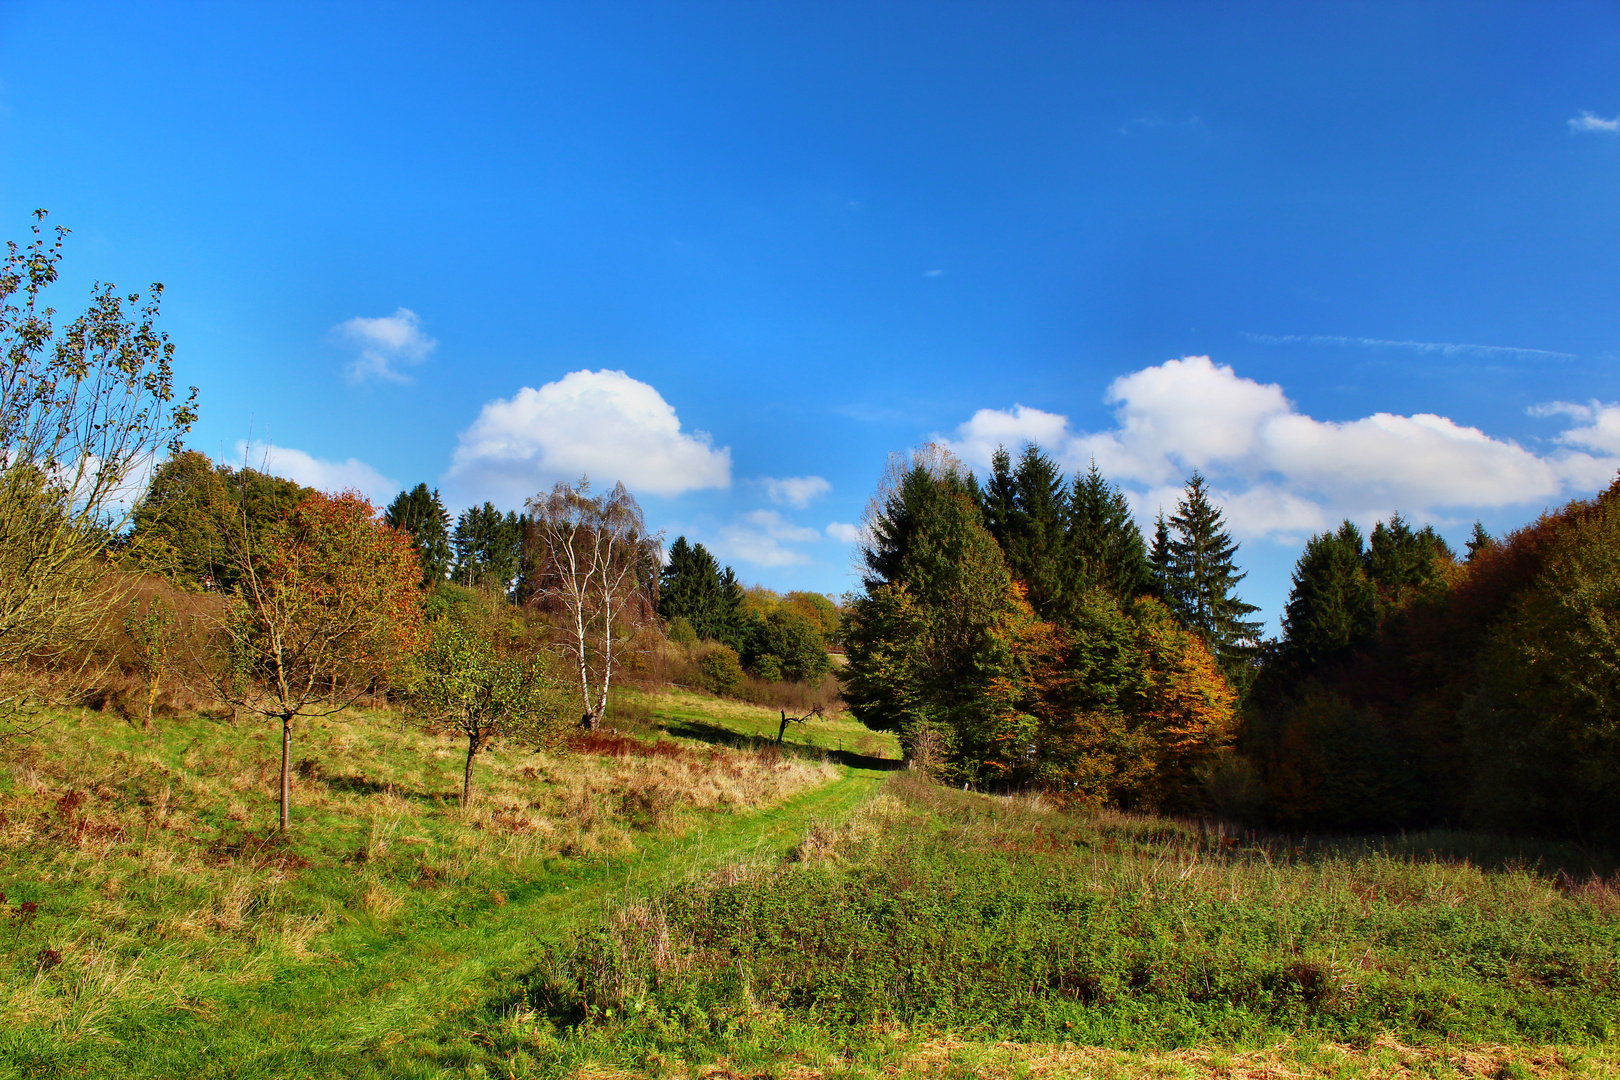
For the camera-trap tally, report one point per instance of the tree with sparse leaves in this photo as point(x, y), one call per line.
point(593, 564)
point(83, 408)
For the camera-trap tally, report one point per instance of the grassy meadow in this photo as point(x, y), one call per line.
point(684, 898)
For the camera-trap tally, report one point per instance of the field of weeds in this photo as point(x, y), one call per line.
point(993, 933)
point(140, 869)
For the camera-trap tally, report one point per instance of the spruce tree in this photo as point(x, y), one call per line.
point(1405, 563)
point(1105, 546)
point(1036, 550)
point(1202, 575)
point(1332, 607)
point(692, 587)
point(1480, 540)
point(488, 547)
point(1159, 564)
point(421, 513)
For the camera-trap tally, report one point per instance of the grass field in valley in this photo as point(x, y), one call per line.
point(714, 907)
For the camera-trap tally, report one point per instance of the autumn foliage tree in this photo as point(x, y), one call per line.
point(327, 603)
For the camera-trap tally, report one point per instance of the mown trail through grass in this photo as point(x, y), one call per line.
point(395, 999)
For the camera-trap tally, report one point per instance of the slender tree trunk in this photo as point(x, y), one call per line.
point(467, 777)
point(286, 771)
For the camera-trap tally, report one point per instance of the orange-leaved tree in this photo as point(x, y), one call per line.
point(327, 603)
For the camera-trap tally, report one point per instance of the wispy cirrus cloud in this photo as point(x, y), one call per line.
point(1441, 348)
point(1591, 123)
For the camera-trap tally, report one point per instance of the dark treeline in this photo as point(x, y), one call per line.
point(1415, 687)
point(1019, 630)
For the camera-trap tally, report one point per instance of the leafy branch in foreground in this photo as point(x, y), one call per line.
point(84, 410)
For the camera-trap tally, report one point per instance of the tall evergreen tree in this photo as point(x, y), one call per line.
point(421, 513)
point(692, 587)
point(1160, 569)
point(1203, 574)
point(1106, 547)
point(488, 547)
point(1036, 549)
point(1480, 540)
point(1405, 563)
point(1332, 607)
point(997, 498)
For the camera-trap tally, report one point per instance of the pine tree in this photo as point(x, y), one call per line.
point(1480, 540)
point(1105, 546)
point(692, 587)
point(1332, 606)
point(488, 548)
point(421, 513)
point(1202, 575)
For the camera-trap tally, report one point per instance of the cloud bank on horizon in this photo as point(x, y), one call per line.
point(1279, 473)
point(1282, 474)
point(351, 474)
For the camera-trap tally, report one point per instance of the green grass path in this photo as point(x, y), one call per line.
point(365, 1008)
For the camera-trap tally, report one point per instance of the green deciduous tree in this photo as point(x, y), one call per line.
point(469, 678)
point(793, 641)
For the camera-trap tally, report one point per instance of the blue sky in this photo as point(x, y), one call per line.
point(418, 242)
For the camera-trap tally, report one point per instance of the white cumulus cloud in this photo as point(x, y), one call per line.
point(1591, 122)
point(795, 491)
point(601, 424)
point(1281, 473)
point(351, 474)
point(385, 343)
point(843, 531)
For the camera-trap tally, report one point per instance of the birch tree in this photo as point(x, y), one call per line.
point(594, 565)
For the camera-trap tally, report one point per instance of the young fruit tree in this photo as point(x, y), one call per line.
point(468, 679)
point(327, 603)
point(594, 566)
point(84, 409)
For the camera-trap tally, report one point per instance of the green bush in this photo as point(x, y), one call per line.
point(721, 670)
